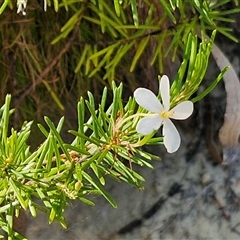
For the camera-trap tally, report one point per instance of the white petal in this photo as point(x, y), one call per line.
point(148, 100)
point(171, 138)
point(182, 110)
point(148, 124)
point(19, 8)
point(165, 92)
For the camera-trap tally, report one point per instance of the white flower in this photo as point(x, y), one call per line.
point(161, 114)
point(21, 4)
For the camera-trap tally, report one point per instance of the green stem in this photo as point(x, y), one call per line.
point(120, 123)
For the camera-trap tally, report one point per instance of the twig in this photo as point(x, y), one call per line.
point(20, 96)
point(221, 207)
point(230, 131)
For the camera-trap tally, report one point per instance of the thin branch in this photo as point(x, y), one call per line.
point(20, 96)
point(229, 133)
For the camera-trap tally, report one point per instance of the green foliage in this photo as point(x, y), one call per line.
point(106, 145)
point(57, 171)
point(75, 45)
point(193, 69)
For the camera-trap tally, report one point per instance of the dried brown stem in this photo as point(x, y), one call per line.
point(230, 131)
point(20, 96)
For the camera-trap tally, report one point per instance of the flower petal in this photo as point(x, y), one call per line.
point(148, 100)
point(171, 138)
point(148, 124)
point(182, 110)
point(165, 92)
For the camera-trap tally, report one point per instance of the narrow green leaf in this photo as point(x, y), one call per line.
point(65, 4)
point(122, 50)
point(72, 21)
point(97, 173)
point(134, 12)
point(4, 208)
point(32, 208)
point(113, 24)
point(117, 7)
point(43, 130)
point(55, 151)
point(176, 86)
point(5, 119)
point(9, 219)
point(93, 20)
point(52, 215)
point(81, 117)
point(145, 139)
point(33, 156)
point(103, 51)
point(168, 11)
point(101, 13)
point(100, 188)
point(77, 149)
point(18, 193)
point(227, 12)
point(44, 198)
point(62, 221)
point(223, 19)
point(139, 52)
point(43, 154)
point(158, 49)
point(211, 86)
point(54, 96)
point(87, 201)
point(103, 61)
point(82, 58)
point(4, 5)
point(174, 44)
point(95, 156)
point(91, 139)
point(91, 107)
point(57, 135)
point(105, 121)
point(49, 154)
point(218, 4)
point(228, 35)
point(78, 171)
point(55, 4)
point(112, 14)
point(173, 4)
point(60, 125)
point(103, 99)
point(117, 107)
point(98, 131)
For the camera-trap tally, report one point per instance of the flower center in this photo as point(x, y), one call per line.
point(166, 114)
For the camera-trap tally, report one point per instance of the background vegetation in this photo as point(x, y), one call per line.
point(50, 58)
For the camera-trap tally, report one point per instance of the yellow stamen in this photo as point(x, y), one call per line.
point(166, 114)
